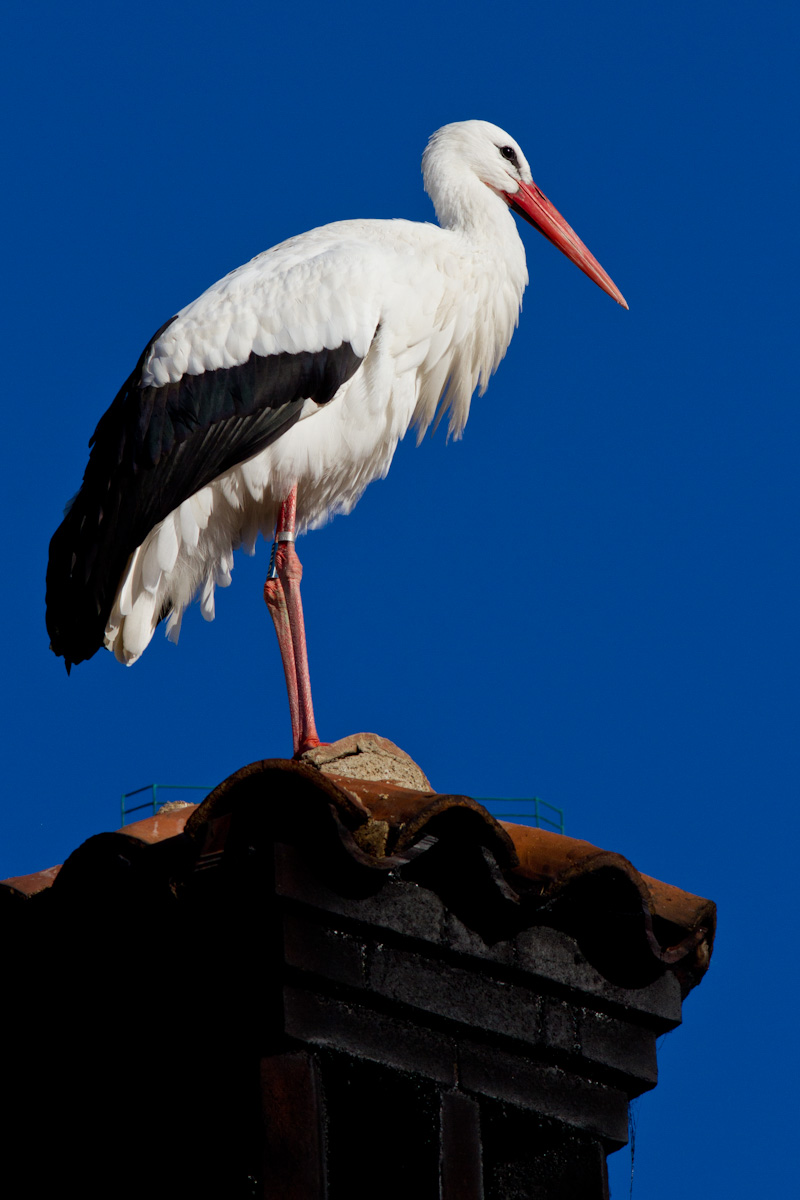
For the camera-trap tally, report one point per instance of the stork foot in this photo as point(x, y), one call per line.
point(309, 744)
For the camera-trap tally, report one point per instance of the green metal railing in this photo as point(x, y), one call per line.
point(153, 803)
point(525, 812)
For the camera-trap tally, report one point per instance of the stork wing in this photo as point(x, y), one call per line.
point(155, 447)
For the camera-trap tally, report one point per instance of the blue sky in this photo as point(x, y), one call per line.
point(593, 596)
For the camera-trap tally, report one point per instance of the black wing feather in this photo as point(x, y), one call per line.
point(155, 447)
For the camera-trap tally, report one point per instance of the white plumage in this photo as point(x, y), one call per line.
point(427, 310)
point(446, 301)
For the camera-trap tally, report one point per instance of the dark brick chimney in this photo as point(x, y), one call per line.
point(313, 986)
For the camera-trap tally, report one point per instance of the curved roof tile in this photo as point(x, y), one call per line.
point(512, 874)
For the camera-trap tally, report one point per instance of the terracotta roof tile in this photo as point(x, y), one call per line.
point(31, 885)
point(162, 825)
point(512, 871)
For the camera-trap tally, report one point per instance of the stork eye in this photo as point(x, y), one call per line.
point(510, 153)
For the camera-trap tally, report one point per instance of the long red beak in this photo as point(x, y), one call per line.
point(534, 206)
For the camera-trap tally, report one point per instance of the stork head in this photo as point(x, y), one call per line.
point(458, 154)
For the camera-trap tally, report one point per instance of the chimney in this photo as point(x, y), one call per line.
point(329, 981)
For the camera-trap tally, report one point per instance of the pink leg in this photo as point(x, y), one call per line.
point(282, 595)
point(276, 603)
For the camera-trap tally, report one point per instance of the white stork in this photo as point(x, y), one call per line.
point(271, 401)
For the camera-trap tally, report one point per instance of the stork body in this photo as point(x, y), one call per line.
point(295, 376)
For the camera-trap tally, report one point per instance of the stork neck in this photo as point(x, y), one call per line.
point(472, 207)
point(468, 207)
